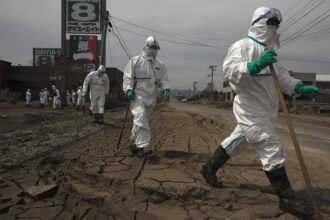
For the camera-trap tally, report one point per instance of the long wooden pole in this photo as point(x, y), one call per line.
point(295, 143)
point(127, 110)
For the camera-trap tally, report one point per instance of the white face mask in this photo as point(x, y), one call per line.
point(151, 52)
point(275, 39)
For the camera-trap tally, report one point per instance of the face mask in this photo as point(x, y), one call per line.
point(275, 37)
point(151, 52)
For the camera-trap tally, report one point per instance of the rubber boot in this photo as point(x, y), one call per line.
point(210, 169)
point(133, 148)
point(288, 201)
point(101, 119)
point(146, 151)
point(90, 112)
point(95, 118)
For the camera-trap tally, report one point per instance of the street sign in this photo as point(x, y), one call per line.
point(45, 56)
point(83, 16)
point(83, 48)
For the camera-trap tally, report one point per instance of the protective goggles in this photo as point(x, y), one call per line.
point(273, 14)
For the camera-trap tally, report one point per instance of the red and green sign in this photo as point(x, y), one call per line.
point(83, 48)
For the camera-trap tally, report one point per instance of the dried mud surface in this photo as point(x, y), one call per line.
point(96, 181)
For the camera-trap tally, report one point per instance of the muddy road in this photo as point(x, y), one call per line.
point(87, 178)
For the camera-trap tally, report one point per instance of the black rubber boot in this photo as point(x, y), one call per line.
point(95, 118)
point(288, 201)
point(101, 119)
point(146, 151)
point(134, 149)
point(209, 170)
point(90, 112)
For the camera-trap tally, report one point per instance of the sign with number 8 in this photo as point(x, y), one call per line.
point(83, 16)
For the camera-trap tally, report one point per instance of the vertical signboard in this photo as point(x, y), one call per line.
point(82, 24)
point(45, 56)
point(83, 16)
point(83, 48)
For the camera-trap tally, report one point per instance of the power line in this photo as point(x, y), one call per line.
point(312, 41)
point(293, 16)
point(173, 42)
point(299, 1)
point(308, 27)
point(307, 61)
point(299, 18)
point(168, 34)
point(121, 40)
point(315, 32)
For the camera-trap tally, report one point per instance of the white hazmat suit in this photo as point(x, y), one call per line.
point(256, 102)
point(246, 67)
point(28, 97)
point(81, 98)
point(150, 74)
point(56, 98)
point(99, 87)
point(68, 97)
point(46, 96)
point(73, 96)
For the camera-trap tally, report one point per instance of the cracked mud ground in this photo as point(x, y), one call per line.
point(94, 181)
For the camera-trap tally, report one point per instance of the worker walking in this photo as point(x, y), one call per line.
point(68, 97)
point(256, 106)
point(150, 74)
point(99, 89)
point(81, 100)
point(28, 97)
point(56, 97)
point(74, 97)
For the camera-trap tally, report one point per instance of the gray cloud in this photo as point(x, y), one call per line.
point(36, 23)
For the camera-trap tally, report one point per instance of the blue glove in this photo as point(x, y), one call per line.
point(106, 95)
point(167, 94)
point(310, 91)
point(130, 94)
point(266, 58)
point(85, 94)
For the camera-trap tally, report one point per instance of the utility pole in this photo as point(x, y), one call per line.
point(104, 36)
point(194, 84)
point(212, 67)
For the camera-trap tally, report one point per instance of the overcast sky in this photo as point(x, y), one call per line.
point(214, 23)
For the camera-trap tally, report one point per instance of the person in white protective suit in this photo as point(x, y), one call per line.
point(256, 106)
point(41, 97)
point(73, 97)
point(81, 99)
point(68, 97)
point(56, 97)
point(150, 74)
point(99, 90)
point(46, 96)
point(28, 97)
